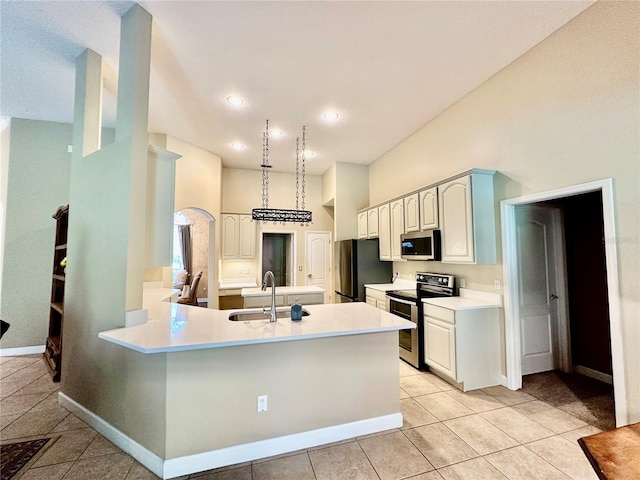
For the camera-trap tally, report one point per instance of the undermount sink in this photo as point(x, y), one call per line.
point(260, 315)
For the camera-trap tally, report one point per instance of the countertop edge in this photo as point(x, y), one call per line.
point(247, 342)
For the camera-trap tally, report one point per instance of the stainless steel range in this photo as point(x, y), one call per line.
point(408, 305)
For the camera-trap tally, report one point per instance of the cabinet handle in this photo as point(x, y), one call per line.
point(553, 296)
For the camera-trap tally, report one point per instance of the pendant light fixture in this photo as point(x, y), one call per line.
point(279, 215)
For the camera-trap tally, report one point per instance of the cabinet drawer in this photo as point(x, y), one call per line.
point(305, 298)
point(252, 302)
point(438, 312)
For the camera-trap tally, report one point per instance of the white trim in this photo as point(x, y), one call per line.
point(147, 458)
point(590, 372)
point(16, 352)
point(509, 265)
point(275, 446)
point(230, 455)
point(503, 380)
point(294, 253)
point(562, 305)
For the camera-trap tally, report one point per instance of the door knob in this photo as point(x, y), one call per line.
point(553, 296)
point(310, 276)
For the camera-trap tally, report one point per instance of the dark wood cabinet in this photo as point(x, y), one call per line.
point(53, 346)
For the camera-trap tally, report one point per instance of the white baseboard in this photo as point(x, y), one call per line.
point(276, 446)
point(16, 352)
point(147, 458)
point(589, 372)
point(176, 467)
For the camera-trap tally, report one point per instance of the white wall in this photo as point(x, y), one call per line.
point(38, 173)
point(565, 113)
point(242, 192)
point(5, 135)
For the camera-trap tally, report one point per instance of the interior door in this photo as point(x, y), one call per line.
point(535, 238)
point(319, 262)
point(274, 256)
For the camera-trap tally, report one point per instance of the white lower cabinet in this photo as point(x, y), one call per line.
point(305, 298)
point(440, 348)
point(376, 298)
point(283, 300)
point(463, 345)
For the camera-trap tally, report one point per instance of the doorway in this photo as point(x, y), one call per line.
point(318, 248)
point(201, 252)
point(514, 329)
point(542, 292)
point(277, 256)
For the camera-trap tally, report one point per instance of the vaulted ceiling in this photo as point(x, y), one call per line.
point(386, 68)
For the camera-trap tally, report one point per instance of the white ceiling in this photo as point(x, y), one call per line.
point(387, 67)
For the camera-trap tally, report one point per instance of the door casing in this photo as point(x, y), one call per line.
point(513, 378)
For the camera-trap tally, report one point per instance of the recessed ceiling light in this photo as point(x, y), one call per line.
point(276, 133)
point(309, 154)
point(235, 100)
point(237, 146)
point(331, 116)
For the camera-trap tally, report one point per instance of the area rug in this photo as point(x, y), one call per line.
point(14, 456)
point(580, 396)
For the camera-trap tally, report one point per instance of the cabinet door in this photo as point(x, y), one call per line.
point(381, 304)
point(230, 234)
point(397, 227)
point(411, 213)
point(384, 231)
point(362, 225)
point(456, 221)
point(429, 209)
point(440, 347)
point(371, 301)
point(372, 223)
point(247, 240)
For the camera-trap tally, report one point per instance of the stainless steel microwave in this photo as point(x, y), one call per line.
point(420, 245)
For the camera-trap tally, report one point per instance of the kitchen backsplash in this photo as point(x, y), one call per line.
point(477, 277)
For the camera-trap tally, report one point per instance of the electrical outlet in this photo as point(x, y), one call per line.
point(496, 284)
point(262, 403)
point(463, 282)
point(69, 148)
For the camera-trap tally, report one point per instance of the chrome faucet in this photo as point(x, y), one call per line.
point(269, 275)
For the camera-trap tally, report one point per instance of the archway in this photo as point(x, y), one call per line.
point(203, 252)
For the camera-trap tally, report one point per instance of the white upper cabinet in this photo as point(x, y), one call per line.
point(411, 213)
point(467, 219)
point(372, 223)
point(363, 230)
point(384, 230)
point(397, 227)
point(247, 241)
point(429, 209)
point(238, 236)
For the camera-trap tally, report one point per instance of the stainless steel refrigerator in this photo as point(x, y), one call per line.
point(359, 264)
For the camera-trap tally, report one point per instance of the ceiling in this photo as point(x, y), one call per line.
point(386, 67)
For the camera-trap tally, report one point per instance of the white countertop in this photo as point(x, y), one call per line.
point(468, 300)
point(257, 292)
point(234, 283)
point(399, 284)
point(184, 327)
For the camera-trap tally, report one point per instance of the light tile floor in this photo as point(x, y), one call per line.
point(487, 434)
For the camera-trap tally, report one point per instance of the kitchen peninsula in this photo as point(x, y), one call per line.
point(332, 376)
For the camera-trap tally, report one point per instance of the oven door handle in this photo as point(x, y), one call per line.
point(400, 300)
